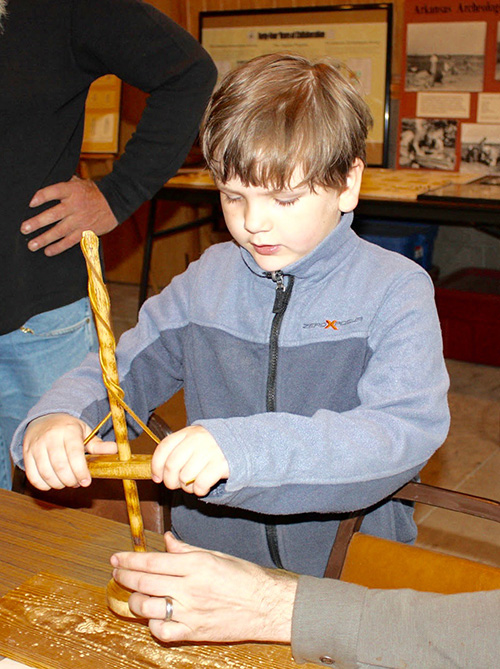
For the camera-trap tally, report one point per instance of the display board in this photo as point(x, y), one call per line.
point(102, 116)
point(450, 97)
point(358, 36)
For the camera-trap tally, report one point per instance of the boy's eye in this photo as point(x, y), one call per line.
point(231, 200)
point(287, 203)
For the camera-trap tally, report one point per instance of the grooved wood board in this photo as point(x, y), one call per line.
point(52, 622)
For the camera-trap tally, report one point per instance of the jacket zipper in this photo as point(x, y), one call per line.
point(281, 301)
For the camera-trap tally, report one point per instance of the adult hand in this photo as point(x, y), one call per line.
point(215, 597)
point(189, 459)
point(81, 207)
point(54, 453)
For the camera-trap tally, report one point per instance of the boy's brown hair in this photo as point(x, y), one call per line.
point(280, 112)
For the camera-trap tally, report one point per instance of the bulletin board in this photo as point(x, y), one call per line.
point(450, 95)
point(102, 116)
point(359, 36)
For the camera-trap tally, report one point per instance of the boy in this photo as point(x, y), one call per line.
point(311, 361)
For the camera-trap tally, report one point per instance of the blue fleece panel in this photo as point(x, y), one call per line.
point(361, 391)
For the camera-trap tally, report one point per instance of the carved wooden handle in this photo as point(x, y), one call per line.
point(99, 299)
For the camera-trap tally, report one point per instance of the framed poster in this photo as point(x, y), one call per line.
point(357, 35)
point(450, 93)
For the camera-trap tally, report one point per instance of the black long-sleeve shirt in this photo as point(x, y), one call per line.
point(50, 53)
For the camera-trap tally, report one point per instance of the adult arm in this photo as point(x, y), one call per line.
point(219, 598)
point(146, 49)
point(357, 626)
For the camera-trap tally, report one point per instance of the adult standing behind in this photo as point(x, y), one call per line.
point(50, 53)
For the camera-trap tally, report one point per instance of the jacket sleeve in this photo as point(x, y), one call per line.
point(356, 626)
point(337, 462)
point(146, 49)
point(150, 369)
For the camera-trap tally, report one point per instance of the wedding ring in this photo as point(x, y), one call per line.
point(170, 609)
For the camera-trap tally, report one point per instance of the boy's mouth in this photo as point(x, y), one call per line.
point(266, 249)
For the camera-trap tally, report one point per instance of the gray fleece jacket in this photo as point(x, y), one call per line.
point(324, 386)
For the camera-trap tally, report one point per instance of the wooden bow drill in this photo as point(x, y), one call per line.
point(125, 465)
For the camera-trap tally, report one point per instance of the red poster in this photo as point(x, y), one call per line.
point(450, 87)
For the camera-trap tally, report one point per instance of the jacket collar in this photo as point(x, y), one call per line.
point(326, 257)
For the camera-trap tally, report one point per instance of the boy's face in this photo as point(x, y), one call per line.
point(280, 227)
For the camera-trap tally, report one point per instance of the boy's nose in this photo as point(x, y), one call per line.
point(256, 220)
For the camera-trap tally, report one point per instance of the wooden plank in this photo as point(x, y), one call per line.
point(37, 537)
point(55, 623)
point(54, 566)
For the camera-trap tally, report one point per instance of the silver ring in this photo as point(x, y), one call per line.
point(170, 609)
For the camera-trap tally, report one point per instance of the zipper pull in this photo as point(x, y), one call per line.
point(277, 277)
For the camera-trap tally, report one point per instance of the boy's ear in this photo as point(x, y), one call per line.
point(348, 198)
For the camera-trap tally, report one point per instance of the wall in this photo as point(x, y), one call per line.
point(454, 247)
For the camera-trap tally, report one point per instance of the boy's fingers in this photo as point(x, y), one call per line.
point(97, 446)
point(175, 463)
point(206, 479)
point(33, 474)
point(162, 453)
point(203, 473)
point(72, 469)
point(191, 470)
point(49, 468)
point(69, 471)
point(54, 452)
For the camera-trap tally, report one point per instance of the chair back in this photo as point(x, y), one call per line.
point(380, 563)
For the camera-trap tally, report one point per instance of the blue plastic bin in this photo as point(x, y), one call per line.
point(413, 240)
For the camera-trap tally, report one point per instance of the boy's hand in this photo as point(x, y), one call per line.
point(54, 454)
point(189, 459)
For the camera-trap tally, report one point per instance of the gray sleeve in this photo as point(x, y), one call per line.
point(326, 621)
point(352, 626)
point(149, 359)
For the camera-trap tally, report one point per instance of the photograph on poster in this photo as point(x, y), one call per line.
point(480, 147)
point(428, 143)
point(445, 56)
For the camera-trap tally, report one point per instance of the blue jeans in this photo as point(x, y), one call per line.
point(32, 358)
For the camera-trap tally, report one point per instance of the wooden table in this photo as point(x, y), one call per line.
point(384, 194)
point(36, 538)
